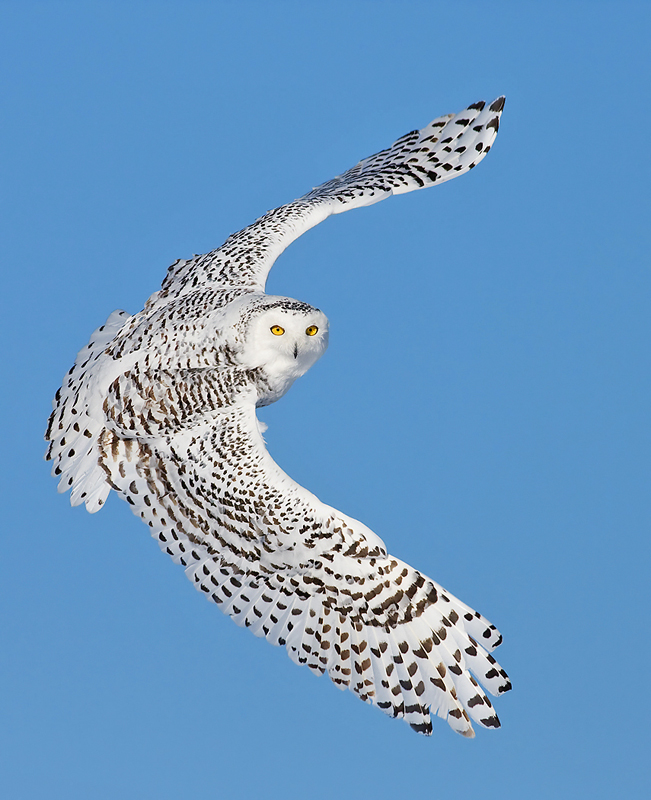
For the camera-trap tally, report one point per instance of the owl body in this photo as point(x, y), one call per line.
point(160, 408)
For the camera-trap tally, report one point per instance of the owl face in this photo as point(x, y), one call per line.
point(286, 338)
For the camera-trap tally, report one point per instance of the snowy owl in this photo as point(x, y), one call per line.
point(161, 407)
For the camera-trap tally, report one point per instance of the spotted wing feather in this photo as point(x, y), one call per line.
point(297, 572)
point(449, 146)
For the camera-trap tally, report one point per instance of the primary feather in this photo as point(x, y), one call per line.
point(160, 407)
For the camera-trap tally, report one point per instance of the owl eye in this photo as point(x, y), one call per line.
point(311, 330)
point(277, 330)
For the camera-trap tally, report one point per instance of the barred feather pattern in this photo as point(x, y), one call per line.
point(160, 407)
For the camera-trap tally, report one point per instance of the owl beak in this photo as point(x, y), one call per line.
point(295, 351)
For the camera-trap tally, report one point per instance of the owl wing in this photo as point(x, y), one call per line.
point(279, 561)
point(449, 146)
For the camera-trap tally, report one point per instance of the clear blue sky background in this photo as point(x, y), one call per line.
point(483, 404)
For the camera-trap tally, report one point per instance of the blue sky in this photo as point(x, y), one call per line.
point(483, 405)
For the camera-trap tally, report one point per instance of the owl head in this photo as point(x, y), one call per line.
point(284, 336)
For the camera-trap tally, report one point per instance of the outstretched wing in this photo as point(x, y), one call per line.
point(449, 146)
point(278, 561)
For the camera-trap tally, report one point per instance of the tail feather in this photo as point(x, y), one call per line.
point(76, 422)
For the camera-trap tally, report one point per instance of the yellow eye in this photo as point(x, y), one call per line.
point(311, 330)
point(277, 330)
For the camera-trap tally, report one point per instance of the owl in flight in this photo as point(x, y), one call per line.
point(161, 407)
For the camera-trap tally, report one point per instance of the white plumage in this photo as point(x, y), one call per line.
point(160, 407)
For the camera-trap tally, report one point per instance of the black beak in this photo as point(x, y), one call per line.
point(295, 351)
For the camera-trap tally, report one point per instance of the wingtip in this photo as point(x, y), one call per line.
point(496, 106)
point(424, 728)
point(491, 722)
